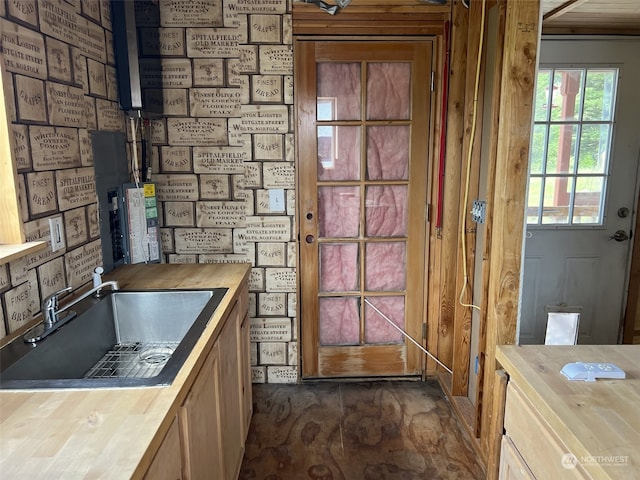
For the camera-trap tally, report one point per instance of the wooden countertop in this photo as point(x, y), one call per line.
point(598, 421)
point(108, 433)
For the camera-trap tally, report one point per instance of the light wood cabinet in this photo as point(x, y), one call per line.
point(200, 423)
point(513, 466)
point(167, 464)
point(206, 441)
point(231, 421)
point(533, 449)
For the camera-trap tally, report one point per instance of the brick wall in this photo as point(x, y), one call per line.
point(223, 153)
point(59, 74)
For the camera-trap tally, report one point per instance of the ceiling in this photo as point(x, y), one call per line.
point(591, 16)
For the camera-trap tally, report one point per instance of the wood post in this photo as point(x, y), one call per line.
point(522, 37)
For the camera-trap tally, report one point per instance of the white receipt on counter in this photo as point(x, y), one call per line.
point(589, 371)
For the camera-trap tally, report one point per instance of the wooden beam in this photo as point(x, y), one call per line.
point(453, 161)
point(522, 37)
point(463, 315)
point(562, 9)
point(497, 52)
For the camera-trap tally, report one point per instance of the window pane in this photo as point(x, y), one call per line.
point(538, 142)
point(543, 89)
point(533, 200)
point(338, 91)
point(338, 267)
point(388, 153)
point(338, 153)
point(385, 266)
point(386, 211)
point(567, 92)
point(338, 211)
point(557, 195)
point(599, 93)
point(339, 321)
point(562, 148)
point(594, 148)
point(588, 200)
point(377, 329)
point(388, 91)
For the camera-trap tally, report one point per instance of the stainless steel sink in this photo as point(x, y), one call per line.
point(125, 339)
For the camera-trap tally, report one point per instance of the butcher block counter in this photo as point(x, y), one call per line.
point(115, 433)
point(556, 428)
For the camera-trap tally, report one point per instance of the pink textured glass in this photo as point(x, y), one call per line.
point(388, 152)
point(338, 153)
point(338, 267)
point(338, 212)
point(388, 91)
point(386, 211)
point(385, 266)
point(376, 328)
point(339, 321)
point(338, 91)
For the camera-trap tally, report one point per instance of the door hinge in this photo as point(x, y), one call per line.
point(428, 213)
point(433, 76)
point(424, 331)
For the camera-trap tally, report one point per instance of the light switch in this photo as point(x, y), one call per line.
point(276, 200)
point(57, 233)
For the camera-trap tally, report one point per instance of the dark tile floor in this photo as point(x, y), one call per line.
point(373, 431)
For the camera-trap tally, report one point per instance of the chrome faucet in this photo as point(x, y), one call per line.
point(50, 307)
point(50, 311)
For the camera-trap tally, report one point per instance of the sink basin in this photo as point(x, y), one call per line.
point(124, 339)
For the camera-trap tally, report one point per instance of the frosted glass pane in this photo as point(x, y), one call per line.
point(385, 266)
point(388, 91)
point(338, 91)
point(338, 212)
point(339, 321)
point(338, 153)
point(388, 153)
point(338, 267)
point(386, 211)
point(377, 329)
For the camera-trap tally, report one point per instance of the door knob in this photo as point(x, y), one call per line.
point(619, 236)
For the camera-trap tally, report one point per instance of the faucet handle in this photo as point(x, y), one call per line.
point(51, 301)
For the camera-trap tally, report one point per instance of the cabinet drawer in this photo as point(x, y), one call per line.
point(512, 465)
point(538, 444)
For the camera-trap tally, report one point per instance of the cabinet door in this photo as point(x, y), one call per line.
point(200, 423)
point(512, 465)
point(230, 401)
point(166, 465)
point(245, 372)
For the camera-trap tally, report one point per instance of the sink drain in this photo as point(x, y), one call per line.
point(156, 355)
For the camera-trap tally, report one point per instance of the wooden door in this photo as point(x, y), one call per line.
point(363, 111)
